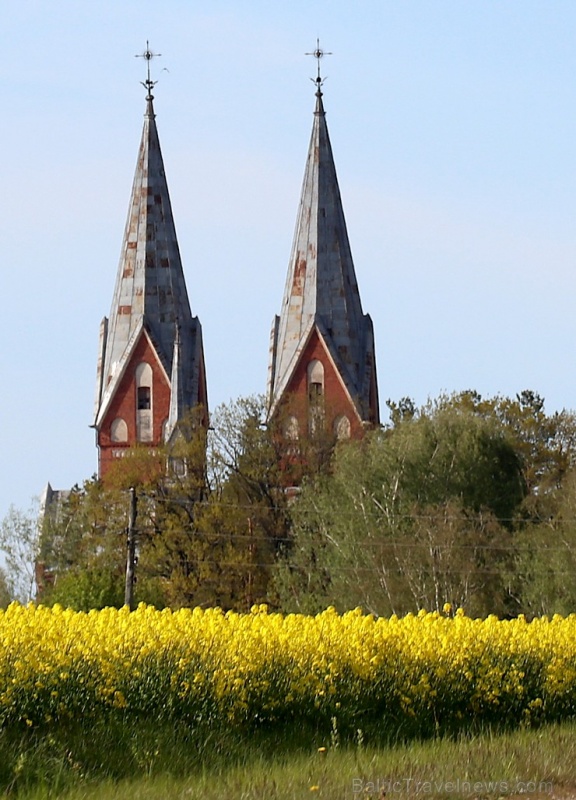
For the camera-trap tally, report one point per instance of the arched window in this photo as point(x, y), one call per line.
point(143, 379)
point(144, 374)
point(315, 380)
point(342, 427)
point(119, 430)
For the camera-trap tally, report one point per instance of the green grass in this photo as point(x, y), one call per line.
point(151, 764)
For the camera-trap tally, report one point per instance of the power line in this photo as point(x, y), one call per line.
point(394, 570)
point(365, 542)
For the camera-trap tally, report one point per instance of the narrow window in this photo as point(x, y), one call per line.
point(144, 398)
point(315, 374)
point(315, 380)
point(143, 378)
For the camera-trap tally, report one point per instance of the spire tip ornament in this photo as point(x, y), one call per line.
point(148, 55)
point(318, 54)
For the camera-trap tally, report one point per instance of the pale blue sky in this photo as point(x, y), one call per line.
point(453, 124)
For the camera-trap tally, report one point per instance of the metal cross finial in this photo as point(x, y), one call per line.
point(148, 55)
point(318, 55)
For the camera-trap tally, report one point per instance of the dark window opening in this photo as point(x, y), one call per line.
point(315, 392)
point(143, 398)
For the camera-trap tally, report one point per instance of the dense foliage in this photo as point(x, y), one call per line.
point(467, 500)
point(208, 521)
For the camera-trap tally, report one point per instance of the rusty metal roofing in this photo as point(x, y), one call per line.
point(150, 292)
point(321, 288)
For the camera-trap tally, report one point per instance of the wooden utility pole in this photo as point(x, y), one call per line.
point(250, 587)
point(131, 551)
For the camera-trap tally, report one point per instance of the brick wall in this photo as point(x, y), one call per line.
point(336, 398)
point(123, 405)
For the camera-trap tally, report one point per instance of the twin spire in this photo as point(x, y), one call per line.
point(151, 362)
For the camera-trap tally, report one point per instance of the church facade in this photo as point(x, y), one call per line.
point(151, 370)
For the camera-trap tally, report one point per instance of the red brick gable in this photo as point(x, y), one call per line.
point(336, 400)
point(123, 405)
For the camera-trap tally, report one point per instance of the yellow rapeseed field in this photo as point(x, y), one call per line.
point(225, 668)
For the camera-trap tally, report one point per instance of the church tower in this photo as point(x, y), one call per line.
point(322, 368)
point(151, 361)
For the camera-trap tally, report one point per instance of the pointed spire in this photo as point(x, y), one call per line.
point(150, 294)
point(150, 286)
point(321, 288)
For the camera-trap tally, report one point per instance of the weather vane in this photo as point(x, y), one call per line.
point(318, 55)
point(148, 55)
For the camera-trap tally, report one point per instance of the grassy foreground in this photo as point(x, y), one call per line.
point(155, 765)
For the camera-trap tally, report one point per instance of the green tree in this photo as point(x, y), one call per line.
point(544, 539)
point(82, 548)
point(544, 574)
point(84, 541)
point(545, 444)
point(7, 594)
point(416, 515)
point(19, 541)
point(247, 512)
point(207, 522)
